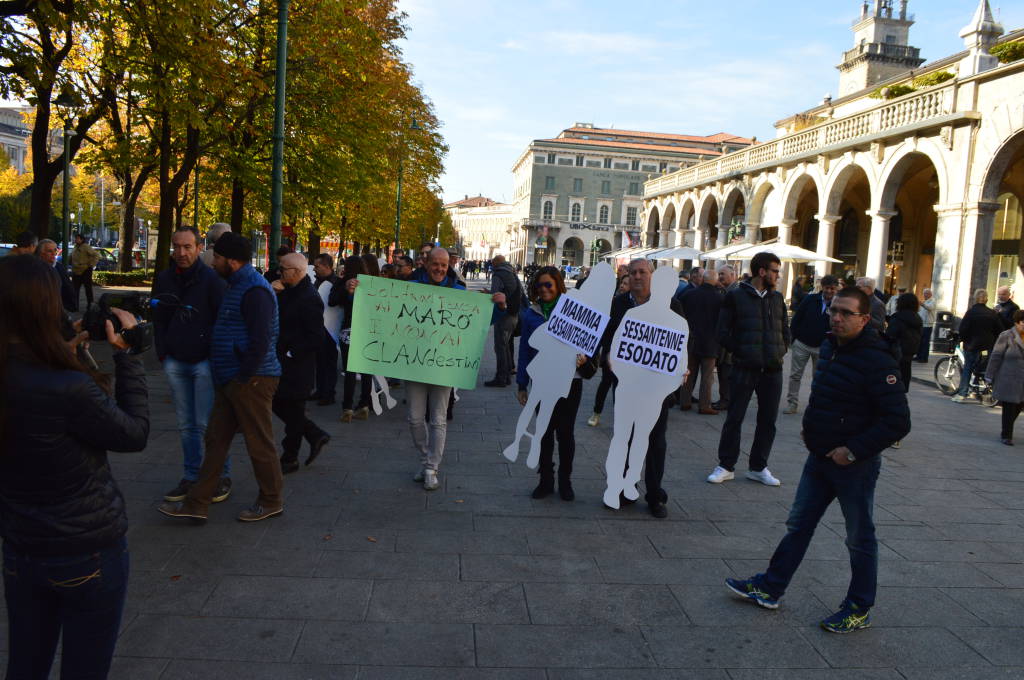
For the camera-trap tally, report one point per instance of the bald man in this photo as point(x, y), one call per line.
point(302, 321)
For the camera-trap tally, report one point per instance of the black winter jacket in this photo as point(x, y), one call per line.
point(810, 323)
point(857, 398)
point(979, 328)
point(301, 334)
point(186, 307)
point(57, 494)
point(905, 330)
point(754, 328)
point(701, 306)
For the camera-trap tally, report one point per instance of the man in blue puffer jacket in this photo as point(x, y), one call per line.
point(857, 409)
point(243, 356)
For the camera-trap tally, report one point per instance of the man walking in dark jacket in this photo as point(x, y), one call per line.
point(808, 328)
point(857, 409)
point(978, 332)
point(701, 305)
point(302, 323)
point(505, 281)
point(752, 325)
point(186, 298)
point(1005, 306)
point(246, 371)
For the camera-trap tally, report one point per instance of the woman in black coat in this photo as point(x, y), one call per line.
point(904, 329)
point(354, 266)
point(62, 516)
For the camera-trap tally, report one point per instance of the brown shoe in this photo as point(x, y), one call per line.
point(708, 412)
point(256, 512)
point(179, 511)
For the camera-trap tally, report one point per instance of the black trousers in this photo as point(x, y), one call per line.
point(906, 368)
point(326, 367)
point(608, 382)
point(562, 425)
point(349, 385)
point(1010, 413)
point(743, 385)
point(83, 279)
point(654, 464)
point(297, 426)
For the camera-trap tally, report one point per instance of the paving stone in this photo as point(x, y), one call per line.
point(910, 607)
point(396, 673)
point(243, 561)
point(731, 647)
point(715, 605)
point(289, 598)
point(972, 673)
point(382, 565)
point(654, 571)
point(440, 602)
point(1000, 646)
point(949, 551)
point(646, 674)
point(891, 647)
point(830, 674)
point(166, 636)
point(599, 604)
point(163, 593)
point(562, 646)
point(129, 668)
point(386, 644)
point(462, 542)
point(521, 568)
point(188, 669)
point(742, 547)
point(994, 606)
point(590, 544)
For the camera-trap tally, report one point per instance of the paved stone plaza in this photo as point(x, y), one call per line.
point(368, 576)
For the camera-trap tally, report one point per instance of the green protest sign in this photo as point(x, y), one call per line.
point(415, 331)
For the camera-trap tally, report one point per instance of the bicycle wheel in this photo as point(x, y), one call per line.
point(947, 375)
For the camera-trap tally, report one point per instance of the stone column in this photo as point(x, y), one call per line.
point(723, 235)
point(786, 278)
point(826, 242)
point(878, 244)
point(752, 232)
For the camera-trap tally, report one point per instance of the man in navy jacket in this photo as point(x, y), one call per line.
point(857, 409)
point(186, 297)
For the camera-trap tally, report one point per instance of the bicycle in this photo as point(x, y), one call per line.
point(949, 369)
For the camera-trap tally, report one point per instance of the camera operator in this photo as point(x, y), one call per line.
point(62, 516)
point(186, 298)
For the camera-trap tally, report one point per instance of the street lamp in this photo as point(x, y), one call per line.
point(398, 207)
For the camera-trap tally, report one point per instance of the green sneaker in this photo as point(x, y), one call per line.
point(747, 589)
point(849, 618)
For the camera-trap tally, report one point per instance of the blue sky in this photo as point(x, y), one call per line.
point(503, 73)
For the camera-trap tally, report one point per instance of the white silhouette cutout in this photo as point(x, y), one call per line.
point(377, 389)
point(552, 369)
point(649, 359)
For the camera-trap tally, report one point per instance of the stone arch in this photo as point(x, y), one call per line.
point(735, 200)
point(668, 224)
point(1001, 227)
point(687, 213)
point(902, 159)
point(763, 186)
point(796, 186)
point(651, 226)
point(998, 138)
point(839, 177)
point(572, 251)
point(999, 164)
point(707, 219)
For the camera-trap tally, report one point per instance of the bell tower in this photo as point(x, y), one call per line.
point(881, 47)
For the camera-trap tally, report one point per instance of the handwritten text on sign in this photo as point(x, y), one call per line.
point(577, 325)
point(652, 347)
point(419, 332)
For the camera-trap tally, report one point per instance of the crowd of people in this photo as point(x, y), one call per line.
point(239, 347)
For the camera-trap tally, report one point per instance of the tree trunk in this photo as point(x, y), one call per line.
point(170, 184)
point(237, 205)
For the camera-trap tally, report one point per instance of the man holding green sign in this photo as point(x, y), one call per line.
point(428, 331)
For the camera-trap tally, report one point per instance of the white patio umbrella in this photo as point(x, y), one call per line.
point(677, 253)
point(725, 252)
point(787, 252)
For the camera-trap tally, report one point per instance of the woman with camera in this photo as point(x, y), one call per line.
point(62, 516)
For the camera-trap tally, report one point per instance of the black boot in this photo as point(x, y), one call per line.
point(546, 487)
point(565, 489)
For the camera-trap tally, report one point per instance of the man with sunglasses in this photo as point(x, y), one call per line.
point(857, 409)
point(752, 326)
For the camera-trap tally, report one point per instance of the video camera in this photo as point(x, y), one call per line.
point(94, 321)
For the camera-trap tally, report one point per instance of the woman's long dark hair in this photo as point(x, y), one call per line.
point(353, 267)
point(30, 316)
point(370, 264)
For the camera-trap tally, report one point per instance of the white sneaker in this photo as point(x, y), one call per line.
point(418, 477)
point(594, 420)
point(790, 410)
point(764, 476)
point(720, 474)
point(430, 480)
point(960, 399)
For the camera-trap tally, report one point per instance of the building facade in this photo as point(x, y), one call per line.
point(14, 135)
point(918, 190)
point(580, 194)
point(483, 227)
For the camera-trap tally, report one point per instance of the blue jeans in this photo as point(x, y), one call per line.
point(970, 361)
point(823, 481)
point(192, 391)
point(80, 597)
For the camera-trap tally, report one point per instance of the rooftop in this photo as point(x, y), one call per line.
point(474, 202)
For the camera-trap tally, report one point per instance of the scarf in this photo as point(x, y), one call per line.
point(547, 307)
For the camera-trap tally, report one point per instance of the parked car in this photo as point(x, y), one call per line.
point(107, 262)
point(6, 248)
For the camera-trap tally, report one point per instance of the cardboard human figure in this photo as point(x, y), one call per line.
point(552, 369)
point(380, 389)
point(648, 356)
